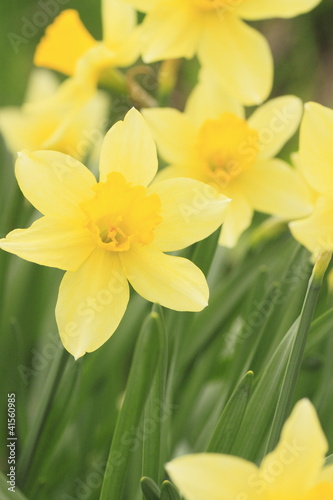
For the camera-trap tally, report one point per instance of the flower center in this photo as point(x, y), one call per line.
point(120, 214)
point(227, 146)
point(218, 4)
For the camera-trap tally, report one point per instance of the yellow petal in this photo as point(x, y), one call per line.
point(91, 303)
point(276, 121)
point(142, 5)
point(53, 182)
point(51, 241)
point(171, 29)
point(316, 153)
point(42, 84)
point(173, 132)
point(190, 212)
point(263, 9)
point(243, 64)
point(171, 281)
point(129, 148)
point(316, 232)
point(326, 474)
point(209, 99)
point(293, 467)
point(64, 42)
point(238, 218)
point(211, 476)
point(272, 187)
point(118, 20)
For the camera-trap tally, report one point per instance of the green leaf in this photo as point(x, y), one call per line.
point(5, 494)
point(287, 389)
point(169, 492)
point(319, 331)
point(329, 460)
point(150, 489)
point(204, 252)
point(145, 360)
point(231, 418)
point(156, 413)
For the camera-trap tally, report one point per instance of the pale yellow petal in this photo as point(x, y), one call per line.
point(209, 99)
point(239, 56)
point(64, 42)
point(129, 148)
point(53, 182)
point(42, 84)
point(118, 20)
point(238, 218)
point(273, 187)
point(91, 303)
point(173, 133)
point(170, 30)
point(51, 241)
point(316, 152)
point(294, 465)
point(326, 474)
point(263, 9)
point(142, 5)
point(316, 231)
point(211, 476)
point(190, 212)
point(171, 281)
point(276, 121)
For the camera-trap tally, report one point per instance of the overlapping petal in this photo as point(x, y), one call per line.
point(129, 148)
point(271, 186)
point(263, 9)
point(316, 153)
point(211, 476)
point(276, 121)
point(91, 303)
point(118, 20)
point(190, 211)
point(53, 182)
point(299, 455)
point(238, 218)
point(316, 231)
point(172, 29)
point(171, 281)
point(51, 241)
point(64, 42)
point(209, 100)
point(239, 56)
point(173, 133)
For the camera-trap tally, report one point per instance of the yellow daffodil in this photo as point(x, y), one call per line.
point(68, 47)
point(315, 161)
point(237, 54)
point(62, 118)
point(293, 471)
point(212, 142)
point(108, 233)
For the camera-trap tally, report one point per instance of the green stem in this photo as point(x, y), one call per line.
point(285, 401)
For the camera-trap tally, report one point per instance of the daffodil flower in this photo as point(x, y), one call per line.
point(315, 161)
point(293, 471)
point(212, 142)
point(236, 53)
point(108, 233)
point(59, 117)
point(68, 46)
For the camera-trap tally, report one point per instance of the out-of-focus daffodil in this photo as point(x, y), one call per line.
point(212, 142)
point(69, 48)
point(63, 118)
point(293, 471)
point(234, 52)
point(114, 231)
point(315, 161)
